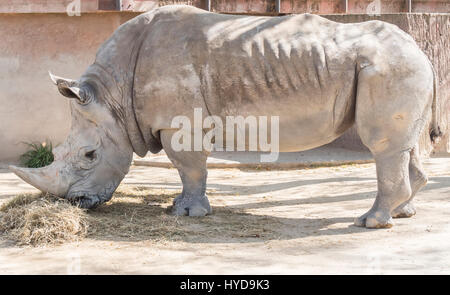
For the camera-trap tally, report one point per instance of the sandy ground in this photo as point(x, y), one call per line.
point(266, 222)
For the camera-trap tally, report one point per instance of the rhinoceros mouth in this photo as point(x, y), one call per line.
point(85, 200)
point(90, 200)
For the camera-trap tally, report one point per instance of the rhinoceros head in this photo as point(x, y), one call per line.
point(96, 155)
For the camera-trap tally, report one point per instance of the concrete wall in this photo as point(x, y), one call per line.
point(235, 6)
point(31, 109)
point(299, 6)
point(48, 6)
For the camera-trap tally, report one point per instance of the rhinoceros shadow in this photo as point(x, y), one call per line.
point(143, 215)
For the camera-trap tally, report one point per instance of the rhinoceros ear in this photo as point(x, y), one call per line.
point(70, 88)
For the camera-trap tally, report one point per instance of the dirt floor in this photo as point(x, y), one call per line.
point(264, 222)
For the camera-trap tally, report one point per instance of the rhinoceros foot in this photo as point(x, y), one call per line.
point(375, 219)
point(405, 211)
point(191, 206)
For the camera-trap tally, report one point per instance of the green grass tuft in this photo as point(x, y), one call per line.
point(39, 155)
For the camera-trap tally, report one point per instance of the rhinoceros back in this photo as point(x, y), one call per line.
point(293, 67)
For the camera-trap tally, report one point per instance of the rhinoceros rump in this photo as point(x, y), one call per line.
point(318, 76)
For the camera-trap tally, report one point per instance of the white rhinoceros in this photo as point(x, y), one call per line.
point(318, 76)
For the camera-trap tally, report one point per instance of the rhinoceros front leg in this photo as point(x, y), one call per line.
point(191, 166)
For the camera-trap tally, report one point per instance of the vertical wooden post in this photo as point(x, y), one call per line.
point(409, 6)
point(208, 5)
point(278, 6)
point(346, 6)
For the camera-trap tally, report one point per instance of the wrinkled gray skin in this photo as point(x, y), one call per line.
point(318, 76)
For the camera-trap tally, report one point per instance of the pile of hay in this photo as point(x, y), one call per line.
point(42, 220)
point(133, 214)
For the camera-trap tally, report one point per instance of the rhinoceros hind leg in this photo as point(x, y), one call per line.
point(417, 179)
point(393, 190)
point(191, 166)
point(392, 109)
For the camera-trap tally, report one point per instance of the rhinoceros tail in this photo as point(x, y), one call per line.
point(435, 130)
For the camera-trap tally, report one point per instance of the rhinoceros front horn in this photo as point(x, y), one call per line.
point(47, 179)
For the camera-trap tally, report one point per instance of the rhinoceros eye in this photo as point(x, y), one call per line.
point(90, 155)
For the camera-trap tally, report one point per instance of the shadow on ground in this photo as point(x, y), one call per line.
point(142, 213)
point(247, 189)
point(132, 216)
